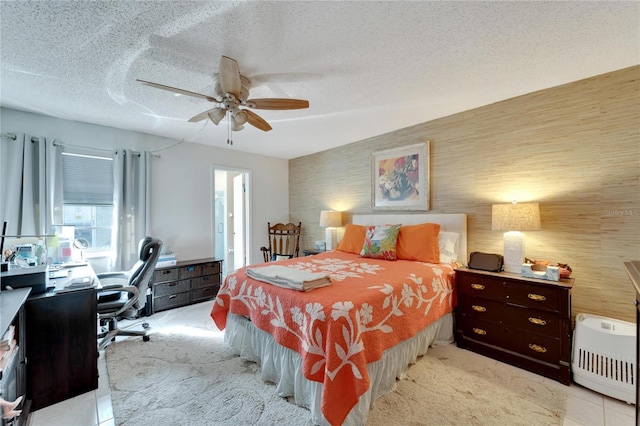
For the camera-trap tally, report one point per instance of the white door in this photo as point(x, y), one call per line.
point(230, 217)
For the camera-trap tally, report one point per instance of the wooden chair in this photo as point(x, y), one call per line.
point(284, 240)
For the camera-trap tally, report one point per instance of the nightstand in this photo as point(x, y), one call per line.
point(525, 322)
point(309, 252)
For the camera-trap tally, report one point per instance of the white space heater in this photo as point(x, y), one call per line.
point(604, 356)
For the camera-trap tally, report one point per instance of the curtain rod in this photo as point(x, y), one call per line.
point(12, 136)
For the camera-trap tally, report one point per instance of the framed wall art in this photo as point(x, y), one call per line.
point(400, 178)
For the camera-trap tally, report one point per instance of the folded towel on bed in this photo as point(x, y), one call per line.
point(286, 277)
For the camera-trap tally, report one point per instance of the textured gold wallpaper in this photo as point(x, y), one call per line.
point(575, 149)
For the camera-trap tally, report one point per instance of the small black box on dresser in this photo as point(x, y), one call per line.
point(186, 282)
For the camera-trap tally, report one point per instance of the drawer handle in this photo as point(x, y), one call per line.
point(479, 308)
point(173, 296)
point(537, 297)
point(537, 348)
point(479, 331)
point(537, 321)
point(477, 286)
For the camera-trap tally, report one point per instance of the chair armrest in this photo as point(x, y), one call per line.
point(133, 299)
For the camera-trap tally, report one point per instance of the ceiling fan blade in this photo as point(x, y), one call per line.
point(202, 116)
point(176, 90)
point(257, 121)
point(278, 103)
point(229, 76)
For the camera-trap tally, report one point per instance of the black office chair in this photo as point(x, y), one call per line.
point(123, 293)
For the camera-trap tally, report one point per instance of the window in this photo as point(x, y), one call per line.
point(88, 198)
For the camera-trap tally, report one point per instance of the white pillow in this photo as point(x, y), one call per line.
point(448, 243)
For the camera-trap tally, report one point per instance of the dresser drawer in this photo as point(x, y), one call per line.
point(534, 296)
point(206, 281)
point(204, 293)
point(173, 287)
point(512, 291)
point(211, 268)
point(535, 346)
point(161, 275)
point(532, 320)
point(190, 271)
point(483, 286)
point(170, 301)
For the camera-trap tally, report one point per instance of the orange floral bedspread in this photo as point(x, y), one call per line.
point(370, 306)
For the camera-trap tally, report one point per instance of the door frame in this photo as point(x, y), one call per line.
point(247, 208)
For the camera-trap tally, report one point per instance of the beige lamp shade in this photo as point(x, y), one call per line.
point(330, 219)
point(515, 217)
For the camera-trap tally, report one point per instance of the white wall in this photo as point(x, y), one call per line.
point(181, 192)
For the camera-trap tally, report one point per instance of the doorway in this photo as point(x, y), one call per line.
point(231, 217)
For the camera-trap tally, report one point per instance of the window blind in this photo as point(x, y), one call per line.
point(87, 179)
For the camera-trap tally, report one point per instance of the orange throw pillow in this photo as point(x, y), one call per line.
point(419, 242)
point(353, 238)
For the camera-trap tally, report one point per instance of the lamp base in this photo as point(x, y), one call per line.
point(331, 235)
point(513, 251)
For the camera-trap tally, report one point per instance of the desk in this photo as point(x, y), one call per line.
point(62, 334)
point(13, 380)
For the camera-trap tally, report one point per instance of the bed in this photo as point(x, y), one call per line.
point(337, 348)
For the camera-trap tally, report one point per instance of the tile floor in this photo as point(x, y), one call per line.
point(584, 407)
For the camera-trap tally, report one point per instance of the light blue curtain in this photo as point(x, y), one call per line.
point(131, 205)
point(30, 184)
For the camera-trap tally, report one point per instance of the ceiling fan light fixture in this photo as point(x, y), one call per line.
point(216, 115)
point(240, 118)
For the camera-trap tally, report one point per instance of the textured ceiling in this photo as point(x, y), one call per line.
point(366, 68)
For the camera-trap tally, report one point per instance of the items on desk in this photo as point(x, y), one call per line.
point(36, 277)
point(78, 284)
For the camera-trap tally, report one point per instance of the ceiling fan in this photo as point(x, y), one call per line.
point(231, 91)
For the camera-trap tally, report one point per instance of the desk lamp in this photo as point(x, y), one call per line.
point(514, 218)
point(331, 220)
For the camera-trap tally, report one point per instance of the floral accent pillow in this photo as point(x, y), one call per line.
point(380, 242)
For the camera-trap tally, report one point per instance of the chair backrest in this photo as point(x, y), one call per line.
point(284, 239)
point(141, 273)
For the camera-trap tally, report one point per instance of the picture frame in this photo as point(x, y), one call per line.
point(400, 178)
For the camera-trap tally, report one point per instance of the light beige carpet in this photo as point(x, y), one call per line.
point(196, 380)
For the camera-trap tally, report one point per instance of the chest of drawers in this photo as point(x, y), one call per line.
point(186, 282)
point(521, 321)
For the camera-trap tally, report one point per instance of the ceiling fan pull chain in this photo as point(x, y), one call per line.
point(229, 139)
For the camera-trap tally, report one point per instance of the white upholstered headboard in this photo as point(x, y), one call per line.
point(455, 222)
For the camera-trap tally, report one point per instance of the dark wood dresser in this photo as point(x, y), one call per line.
point(521, 321)
point(633, 269)
point(186, 282)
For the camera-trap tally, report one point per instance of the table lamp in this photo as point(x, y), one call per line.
point(331, 220)
point(514, 218)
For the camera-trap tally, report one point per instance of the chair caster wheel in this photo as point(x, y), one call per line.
point(146, 338)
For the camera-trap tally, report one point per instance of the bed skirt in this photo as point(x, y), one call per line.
point(283, 367)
